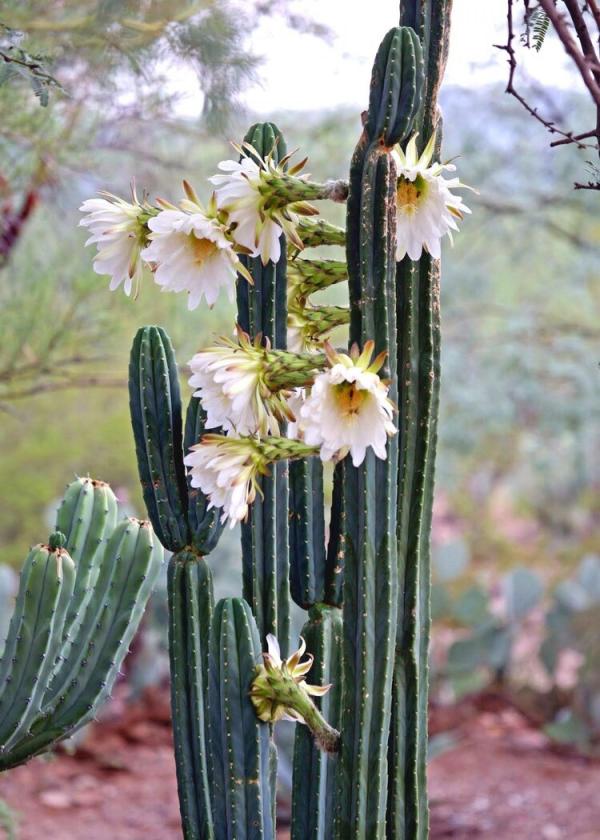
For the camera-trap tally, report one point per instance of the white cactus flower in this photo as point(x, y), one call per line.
point(117, 229)
point(190, 252)
point(348, 409)
point(226, 471)
point(262, 201)
point(238, 192)
point(295, 402)
point(228, 379)
point(427, 210)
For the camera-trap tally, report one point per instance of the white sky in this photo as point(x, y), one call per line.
point(301, 72)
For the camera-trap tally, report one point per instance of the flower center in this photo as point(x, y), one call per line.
point(409, 193)
point(349, 398)
point(202, 248)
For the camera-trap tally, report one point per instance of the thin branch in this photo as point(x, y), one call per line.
point(510, 85)
point(595, 10)
point(572, 138)
point(67, 385)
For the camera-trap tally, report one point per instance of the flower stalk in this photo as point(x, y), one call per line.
point(317, 232)
point(305, 277)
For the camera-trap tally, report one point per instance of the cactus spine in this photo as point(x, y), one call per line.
point(73, 621)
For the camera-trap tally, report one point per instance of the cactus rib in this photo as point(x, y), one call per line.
point(190, 612)
point(155, 405)
point(313, 802)
point(240, 743)
point(370, 574)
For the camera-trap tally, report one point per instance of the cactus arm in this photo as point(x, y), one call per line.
point(130, 566)
point(240, 742)
point(87, 516)
point(47, 582)
point(155, 405)
point(313, 798)
point(190, 610)
point(418, 373)
point(396, 87)
point(370, 574)
point(262, 308)
point(205, 525)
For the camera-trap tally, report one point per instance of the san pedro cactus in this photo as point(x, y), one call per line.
point(75, 615)
point(269, 408)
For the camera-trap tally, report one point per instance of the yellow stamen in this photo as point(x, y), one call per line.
point(350, 398)
point(203, 248)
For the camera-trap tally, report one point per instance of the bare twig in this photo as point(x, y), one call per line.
point(63, 385)
point(511, 88)
point(583, 53)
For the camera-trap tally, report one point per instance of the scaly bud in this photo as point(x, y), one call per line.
point(280, 692)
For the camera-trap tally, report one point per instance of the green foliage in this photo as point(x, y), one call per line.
point(17, 63)
point(539, 23)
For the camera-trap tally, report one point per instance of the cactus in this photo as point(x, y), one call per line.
point(371, 565)
point(73, 621)
point(157, 425)
point(190, 614)
point(240, 742)
point(418, 375)
point(313, 801)
point(262, 309)
point(363, 577)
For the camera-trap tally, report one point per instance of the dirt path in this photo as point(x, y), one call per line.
point(500, 781)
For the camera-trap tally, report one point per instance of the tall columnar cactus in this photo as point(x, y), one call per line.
point(262, 310)
point(75, 615)
point(370, 493)
point(185, 525)
point(361, 573)
point(418, 359)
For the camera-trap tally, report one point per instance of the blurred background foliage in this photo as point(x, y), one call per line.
point(516, 545)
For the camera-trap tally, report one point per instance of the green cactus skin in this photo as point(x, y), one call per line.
point(205, 525)
point(307, 532)
point(313, 802)
point(129, 569)
point(34, 639)
point(87, 516)
point(336, 545)
point(155, 405)
point(371, 565)
point(190, 591)
point(262, 308)
point(418, 315)
point(273, 760)
point(242, 763)
point(396, 87)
